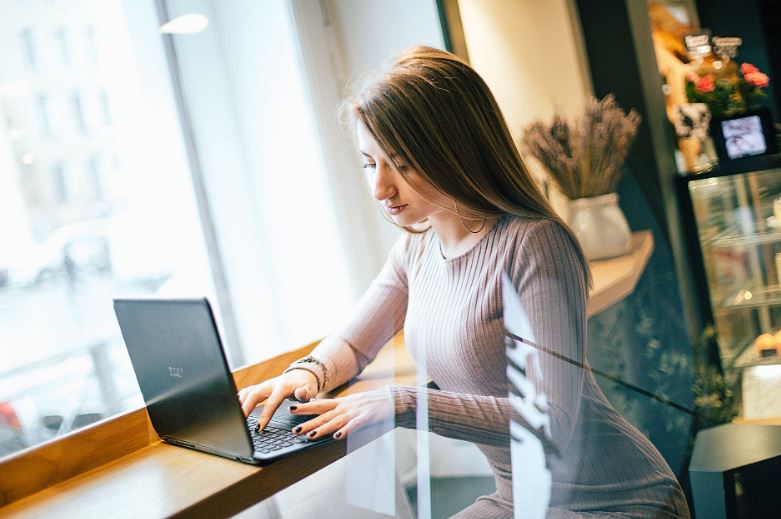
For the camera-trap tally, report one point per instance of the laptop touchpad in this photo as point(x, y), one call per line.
point(284, 417)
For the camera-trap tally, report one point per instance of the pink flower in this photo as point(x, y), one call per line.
point(758, 79)
point(748, 68)
point(704, 85)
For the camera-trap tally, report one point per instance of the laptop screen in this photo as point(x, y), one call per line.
point(181, 369)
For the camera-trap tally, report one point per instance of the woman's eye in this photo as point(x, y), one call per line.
point(369, 165)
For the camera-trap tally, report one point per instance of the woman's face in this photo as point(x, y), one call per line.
point(405, 205)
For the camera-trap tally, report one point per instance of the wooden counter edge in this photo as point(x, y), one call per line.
point(60, 459)
point(257, 487)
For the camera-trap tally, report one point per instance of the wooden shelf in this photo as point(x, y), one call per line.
point(616, 278)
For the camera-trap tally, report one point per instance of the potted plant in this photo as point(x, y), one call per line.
point(730, 95)
point(584, 159)
point(740, 126)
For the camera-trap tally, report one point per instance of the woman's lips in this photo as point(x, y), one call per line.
point(396, 209)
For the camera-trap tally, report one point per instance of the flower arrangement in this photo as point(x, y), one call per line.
point(584, 158)
point(727, 96)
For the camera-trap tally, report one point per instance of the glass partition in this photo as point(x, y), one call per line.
point(508, 399)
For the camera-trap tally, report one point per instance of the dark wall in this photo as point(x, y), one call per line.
point(770, 15)
point(621, 59)
point(615, 69)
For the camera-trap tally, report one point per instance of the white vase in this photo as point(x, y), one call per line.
point(600, 226)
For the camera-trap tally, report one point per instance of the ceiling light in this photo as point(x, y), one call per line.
point(185, 24)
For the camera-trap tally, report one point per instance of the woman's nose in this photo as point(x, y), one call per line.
point(383, 187)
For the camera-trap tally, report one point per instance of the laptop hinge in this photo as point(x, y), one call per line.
point(199, 447)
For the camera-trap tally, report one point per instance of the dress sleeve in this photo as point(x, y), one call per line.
point(550, 281)
point(379, 315)
point(473, 418)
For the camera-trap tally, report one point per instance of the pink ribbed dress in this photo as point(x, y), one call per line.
point(451, 313)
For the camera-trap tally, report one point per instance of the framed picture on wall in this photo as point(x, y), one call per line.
point(748, 134)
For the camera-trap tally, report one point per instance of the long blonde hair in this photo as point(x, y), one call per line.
point(429, 108)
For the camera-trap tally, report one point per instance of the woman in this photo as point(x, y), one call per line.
point(439, 155)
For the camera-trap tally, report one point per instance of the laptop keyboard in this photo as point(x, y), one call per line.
point(271, 438)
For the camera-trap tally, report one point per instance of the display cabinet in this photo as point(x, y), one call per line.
point(735, 216)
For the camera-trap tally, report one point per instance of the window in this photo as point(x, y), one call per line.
point(105, 108)
point(90, 47)
point(60, 183)
point(73, 233)
point(61, 37)
point(94, 180)
point(127, 185)
point(260, 158)
point(78, 113)
point(43, 110)
point(28, 48)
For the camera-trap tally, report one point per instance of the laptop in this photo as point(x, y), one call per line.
point(191, 398)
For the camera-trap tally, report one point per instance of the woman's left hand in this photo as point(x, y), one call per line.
point(343, 416)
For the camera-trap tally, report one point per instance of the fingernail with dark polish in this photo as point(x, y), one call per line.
point(337, 435)
point(298, 429)
point(312, 434)
point(257, 428)
point(293, 407)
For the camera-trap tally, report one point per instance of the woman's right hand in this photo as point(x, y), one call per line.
point(298, 383)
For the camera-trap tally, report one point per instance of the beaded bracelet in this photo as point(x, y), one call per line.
point(311, 360)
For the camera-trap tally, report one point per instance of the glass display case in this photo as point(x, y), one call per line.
point(737, 220)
